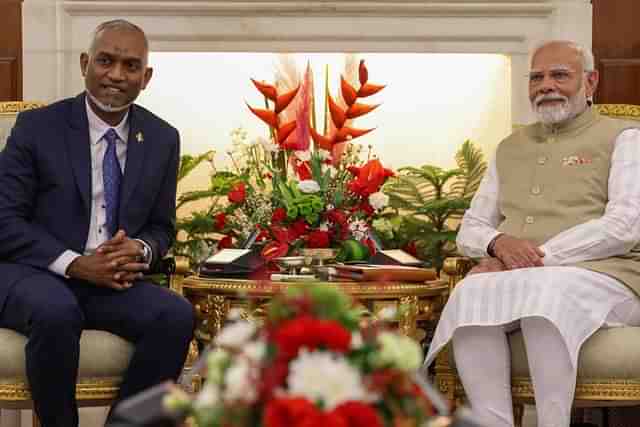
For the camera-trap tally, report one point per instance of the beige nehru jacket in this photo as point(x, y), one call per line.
point(552, 179)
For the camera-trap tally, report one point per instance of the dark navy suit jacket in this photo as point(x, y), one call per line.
point(45, 187)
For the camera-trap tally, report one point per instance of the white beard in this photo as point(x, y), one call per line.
point(107, 108)
point(554, 114)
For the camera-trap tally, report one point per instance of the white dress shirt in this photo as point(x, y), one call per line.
point(98, 233)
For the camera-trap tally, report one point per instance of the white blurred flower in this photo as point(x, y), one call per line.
point(327, 377)
point(303, 155)
point(208, 397)
point(359, 229)
point(398, 351)
point(308, 186)
point(235, 334)
point(332, 171)
point(378, 200)
point(255, 351)
point(177, 400)
point(356, 340)
point(234, 314)
point(324, 226)
point(324, 154)
point(217, 360)
point(267, 144)
point(240, 382)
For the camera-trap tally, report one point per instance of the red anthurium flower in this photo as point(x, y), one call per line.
point(221, 220)
point(303, 170)
point(238, 193)
point(279, 215)
point(225, 243)
point(274, 250)
point(318, 239)
point(359, 414)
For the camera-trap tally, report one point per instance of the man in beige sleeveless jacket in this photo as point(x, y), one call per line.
point(556, 223)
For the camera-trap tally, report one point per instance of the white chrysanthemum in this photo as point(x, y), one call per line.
point(398, 351)
point(236, 334)
point(240, 382)
point(208, 397)
point(308, 186)
point(255, 351)
point(325, 377)
point(378, 200)
point(305, 155)
point(324, 154)
point(267, 144)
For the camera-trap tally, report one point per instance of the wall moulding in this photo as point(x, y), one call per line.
point(393, 8)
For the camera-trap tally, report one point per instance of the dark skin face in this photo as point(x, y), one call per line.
point(116, 71)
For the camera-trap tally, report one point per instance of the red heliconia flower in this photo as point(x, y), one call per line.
point(279, 215)
point(238, 193)
point(370, 178)
point(220, 220)
point(318, 239)
point(225, 243)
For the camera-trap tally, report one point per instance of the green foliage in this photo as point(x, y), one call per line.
point(424, 199)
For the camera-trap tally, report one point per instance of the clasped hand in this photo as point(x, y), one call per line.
point(517, 253)
point(115, 264)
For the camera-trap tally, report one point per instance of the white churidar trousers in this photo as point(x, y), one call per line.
point(557, 308)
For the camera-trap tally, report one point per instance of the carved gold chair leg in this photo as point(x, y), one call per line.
point(518, 414)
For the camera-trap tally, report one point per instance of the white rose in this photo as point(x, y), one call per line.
point(308, 186)
point(378, 200)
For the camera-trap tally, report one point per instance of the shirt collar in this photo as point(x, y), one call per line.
point(98, 127)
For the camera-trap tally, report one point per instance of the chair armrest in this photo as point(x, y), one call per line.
point(176, 268)
point(456, 268)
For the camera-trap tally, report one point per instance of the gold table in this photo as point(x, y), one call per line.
point(418, 304)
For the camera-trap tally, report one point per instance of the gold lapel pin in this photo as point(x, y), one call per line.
point(139, 137)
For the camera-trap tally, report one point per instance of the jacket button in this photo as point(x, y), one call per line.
point(529, 219)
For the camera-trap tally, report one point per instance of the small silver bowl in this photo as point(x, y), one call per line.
point(291, 264)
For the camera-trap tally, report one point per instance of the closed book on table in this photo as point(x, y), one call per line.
point(384, 273)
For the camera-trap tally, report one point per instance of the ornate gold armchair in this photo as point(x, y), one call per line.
point(609, 362)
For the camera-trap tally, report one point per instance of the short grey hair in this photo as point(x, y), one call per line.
point(118, 24)
point(588, 62)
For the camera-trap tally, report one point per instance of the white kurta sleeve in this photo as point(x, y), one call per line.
point(618, 230)
point(479, 222)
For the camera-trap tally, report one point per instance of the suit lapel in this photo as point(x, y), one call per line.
point(136, 153)
point(78, 144)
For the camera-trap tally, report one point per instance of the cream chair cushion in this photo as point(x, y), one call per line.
point(102, 355)
point(612, 354)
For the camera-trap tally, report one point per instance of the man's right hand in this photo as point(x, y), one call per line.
point(100, 270)
point(517, 253)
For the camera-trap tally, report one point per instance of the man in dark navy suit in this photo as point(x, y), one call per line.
point(87, 206)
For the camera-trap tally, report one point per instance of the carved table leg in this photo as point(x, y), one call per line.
point(408, 315)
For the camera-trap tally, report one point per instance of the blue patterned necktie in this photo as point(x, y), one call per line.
point(111, 176)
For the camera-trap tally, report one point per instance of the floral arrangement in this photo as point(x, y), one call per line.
point(302, 188)
point(310, 365)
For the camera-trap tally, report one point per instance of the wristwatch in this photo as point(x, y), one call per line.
point(146, 253)
point(491, 247)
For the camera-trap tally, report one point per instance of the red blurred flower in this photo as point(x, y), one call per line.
point(411, 248)
point(359, 414)
point(273, 378)
point(323, 419)
point(370, 245)
point(311, 333)
point(318, 239)
point(279, 215)
point(225, 243)
point(337, 216)
point(280, 233)
point(221, 220)
point(238, 193)
point(298, 228)
point(288, 412)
